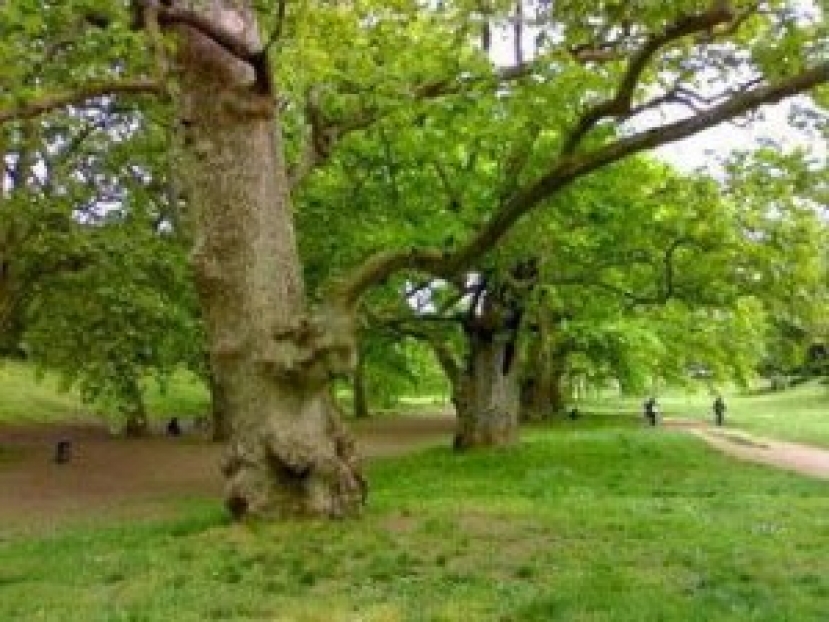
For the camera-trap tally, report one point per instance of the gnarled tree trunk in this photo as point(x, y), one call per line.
point(288, 454)
point(487, 393)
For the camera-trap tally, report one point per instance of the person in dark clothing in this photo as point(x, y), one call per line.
point(173, 427)
point(63, 451)
point(651, 411)
point(719, 411)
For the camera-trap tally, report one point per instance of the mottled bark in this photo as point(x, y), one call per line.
point(542, 390)
point(219, 413)
point(487, 394)
point(134, 409)
point(288, 454)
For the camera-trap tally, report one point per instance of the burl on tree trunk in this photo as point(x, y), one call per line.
point(288, 454)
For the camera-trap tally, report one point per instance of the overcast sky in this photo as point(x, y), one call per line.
point(706, 149)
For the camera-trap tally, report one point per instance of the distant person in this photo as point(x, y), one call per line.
point(651, 411)
point(719, 411)
point(173, 427)
point(573, 414)
point(63, 451)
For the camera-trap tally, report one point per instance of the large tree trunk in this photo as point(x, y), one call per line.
point(487, 394)
point(219, 415)
point(542, 390)
point(289, 453)
point(134, 409)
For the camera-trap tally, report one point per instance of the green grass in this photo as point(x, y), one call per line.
point(185, 396)
point(581, 523)
point(24, 398)
point(798, 414)
point(28, 398)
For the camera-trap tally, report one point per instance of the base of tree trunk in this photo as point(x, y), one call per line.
point(279, 471)
point(137, 425)
point(500, 436)
point(486, 421)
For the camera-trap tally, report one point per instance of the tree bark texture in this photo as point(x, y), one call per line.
point(542, 387)
point(219, 415)
point(288, 454)
point(487, 393)
point(134, 408)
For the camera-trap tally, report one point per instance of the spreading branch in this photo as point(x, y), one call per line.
point(564, 171)
point(50, 102)
point(325, 133)
point(621, 102)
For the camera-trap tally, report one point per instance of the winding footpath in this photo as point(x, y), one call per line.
point(797, 457)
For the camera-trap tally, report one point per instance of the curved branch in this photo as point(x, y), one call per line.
point(564, 171)
point(171, 15)
point(53, 101)
point(382, 265)
point(325, 133)
point(620, 103)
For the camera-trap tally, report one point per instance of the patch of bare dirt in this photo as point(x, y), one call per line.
point(138, 477)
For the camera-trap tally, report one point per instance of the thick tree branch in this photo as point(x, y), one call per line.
point(240, 47)
point(382, 265)
point(93, 90)
point(621, 101)
point(171, 15)
point(325, 133)
point(564, 171)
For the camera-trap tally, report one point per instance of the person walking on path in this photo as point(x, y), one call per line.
point(651, 411)
point(719, 411)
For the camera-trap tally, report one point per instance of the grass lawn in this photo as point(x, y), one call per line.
point(585, 522)
point(25, 398)
point(798, 414)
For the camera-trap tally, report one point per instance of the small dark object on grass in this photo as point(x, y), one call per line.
point(63, 451)
point(573, 414)
point(173, 427)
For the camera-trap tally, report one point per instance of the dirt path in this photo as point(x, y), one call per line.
point(796, 457)
point(141, 477)
point(111, 476)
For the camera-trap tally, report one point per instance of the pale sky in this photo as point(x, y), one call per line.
point(705, 149)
